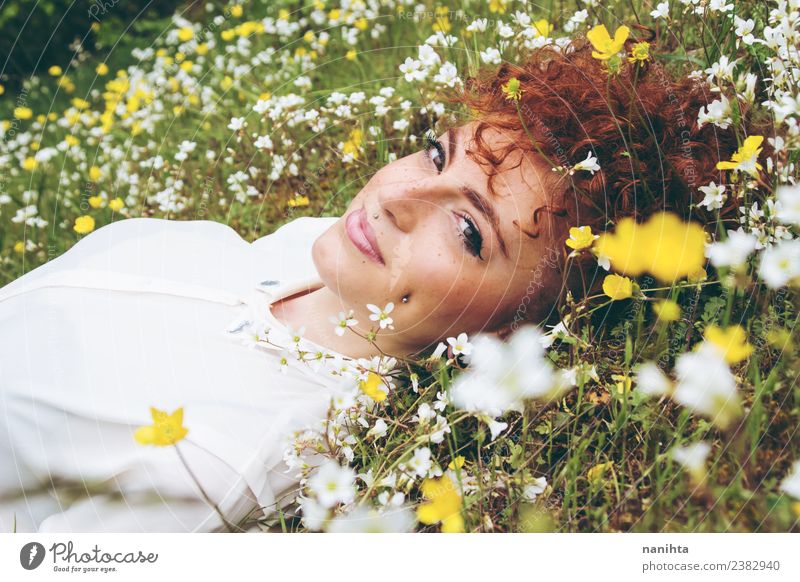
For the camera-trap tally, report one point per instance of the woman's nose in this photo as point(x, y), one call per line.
point(407, 203)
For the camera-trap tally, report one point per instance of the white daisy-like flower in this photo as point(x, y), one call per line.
point(382, 315)
point(236, 123)
point(333, 484)
point(661, 11)
point(589, 164)
point(714, 196)
point(791, 484)
point(535, 488)
point(343, 322)
point(460, 344)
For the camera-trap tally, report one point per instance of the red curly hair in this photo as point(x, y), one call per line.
point(640, 124)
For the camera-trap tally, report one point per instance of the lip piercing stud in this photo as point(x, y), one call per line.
point(375, 216)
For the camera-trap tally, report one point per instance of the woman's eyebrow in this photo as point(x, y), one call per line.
point(478, 201)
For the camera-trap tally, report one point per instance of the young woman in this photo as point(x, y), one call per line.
point(466, 235)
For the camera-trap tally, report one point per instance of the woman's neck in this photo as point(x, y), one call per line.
point(313, 311)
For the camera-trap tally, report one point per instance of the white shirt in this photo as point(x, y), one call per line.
point(151, 312)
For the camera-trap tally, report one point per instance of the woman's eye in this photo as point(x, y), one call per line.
point(471, 235)
point(435, 151)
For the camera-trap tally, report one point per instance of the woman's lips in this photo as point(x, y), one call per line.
point(362, 235)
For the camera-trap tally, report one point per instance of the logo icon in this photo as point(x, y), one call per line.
point(31, 555)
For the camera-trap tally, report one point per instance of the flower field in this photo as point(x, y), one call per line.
point(666, 401)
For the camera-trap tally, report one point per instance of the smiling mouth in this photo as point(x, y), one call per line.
point(361, 234)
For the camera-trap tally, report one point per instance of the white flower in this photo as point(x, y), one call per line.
point(719, 6)
point(661, 11)
point(714, 196)
point(503, 375)
point(576, 20)
point(343, 322)
point(333, 484)
point(428, 56)
point(424, 413)
point(236, 123)
point(693, 458)
point(382, 315)
point(314, 514)
point(440, 428)
point(789, 204)
point(413, 70)
point(363, 520)
point(263, 142)
point(717, 112)
point(535, 489)
point(589, 164)
point(447, 75)
point(734, 251)
point(721, 70)
point(460, 344)
point(400, 124)
point(495, 426)
point(744, 29)
point(379, 430)
point(780, 263)
point(791, 484)
point(491, 56)
point(504, 30)
point(440, 349)
point(478, 25)
point(420, 464)
point(652, 381)
point(706, 386)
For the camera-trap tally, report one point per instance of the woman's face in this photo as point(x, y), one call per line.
point(444, 242)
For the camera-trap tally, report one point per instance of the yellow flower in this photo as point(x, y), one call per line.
point(237, 10)
point(622, 383)
point(185, 34)
point(298, 201)
point(731, 342)
point(542, 27)
point(19, 246)
point(606, 47)
point(617, 287)
point(596, 473)
point(350, 55)
point(744, 159)
point(101, 69)
point(580, 237)
point(2, 89)
point(498, 6)
point(512, 89)
point(352, 145)
point(29, 164)
point(55, 70)
point(116, 204)
point(372, 387)
point(202, 49)
point(95, 201)
point(444, 505)
point(95, 173)
point(640, 53)
point(84, 224)
point(665, 246)
point(81, 104)
point(23, 112)
point(456, 463)
point(667, 310)
point(167, 429)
